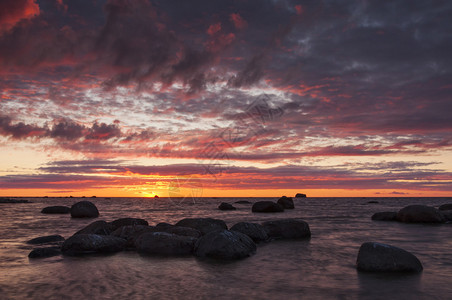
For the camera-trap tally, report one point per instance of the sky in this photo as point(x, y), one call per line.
point(137, 98)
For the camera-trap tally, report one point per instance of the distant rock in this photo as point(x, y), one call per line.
point(243, 202)
point(286, 202)
point(56, 210)
point(204, 225)
point(163, 243)
point(97, 227)
point(92, 243)
point(9, 200)
point(46, 239)
point(372, 202)
point(287, 229)
point(128, 221)
point(377, 257)
point(385, 216)
point(84, 209)
point(225, 244)
point(255, 231)
point(226, 206)
point(267, 207)
point(419, 214)
point(446, 207)
point(299, 195)
point(44, 252)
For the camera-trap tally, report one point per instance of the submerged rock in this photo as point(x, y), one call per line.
point(92, 243)
point(204, 225)
point(377, 257)
point(225, 244)
point(287, 229)
point(255, 231)
point(226, 206)
point(163, 243)
point(56, 210)
point(84, 209)
point(44, 252)
point(46, 239)
point(385, 216)
point(286, 202)
point(267, 207)
point(419, 214)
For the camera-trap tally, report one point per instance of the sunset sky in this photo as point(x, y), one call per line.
point(225, 98)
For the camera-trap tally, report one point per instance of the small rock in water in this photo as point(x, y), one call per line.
point(385, 216)
point(44, 252)
point(286, 202)
point(46, 239)
point(299, 195)
point(419, 214)
point(226, 206)
point(84, 209)
point(267, 207)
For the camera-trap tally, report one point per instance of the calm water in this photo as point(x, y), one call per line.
point(320, 268)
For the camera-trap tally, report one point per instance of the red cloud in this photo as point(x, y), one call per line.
point(299, 9)
point(214, 28)
point(238, 21)
point(11, 12)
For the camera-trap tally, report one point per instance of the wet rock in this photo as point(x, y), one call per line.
point(179, 230)
point(225, 244)
point(131, 232)
point(128, 221)
point(84, 209)
point(226, 206)
point(286, 202)
point(385, 216)
point(445, 207)
point(92, 243)
point(163, 243)
point(267, 207)
point(419, 214)
point(299, 195)
point(377, 257)
point(56, 210)
point(204, 225)
point(46, 239)
point(287, 229)
point(255, 231)
point(44, 252)
point(97, 227)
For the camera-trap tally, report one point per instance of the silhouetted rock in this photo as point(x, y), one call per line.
point(243, 202)
point(267, 207)
point(179, 230)
point(46, 239)
point(9, 200)
point(225, 244)
point(372, 202)
point(44, 252)
point(84, 209)
point(255, 231)
point(97, 227)
point(446, 215)
point(385, 216)
point(163, 243)
point(419, 214)
point(287, 229)
point(299, 195)
point(56, 210)
point(204, 225)
point(286, 202)
point(92, 243)
point(128, 221)
point(446, 207)
point(226, 206)
point(377, 257)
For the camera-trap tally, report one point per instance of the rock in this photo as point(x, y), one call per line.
point(128, 221)
point(419, 214)
point(445, 207)
point(46, 239)
point(163, 243)
point(179, 230)
point(372, 202)
point(377, 257)
point(56, 210)
point(287, 229)
point(286, 202)
point(92, 243)
point(226, 206)
point(299, 195)
point(84, 209)
point(204, 225)
point(385, 216)
point(243, 202)
point(8, 200)
point(255, 231)
point(131, 232)
point(446, 215)
point(97, 227)
point(44, 252)
point(267, 207)
point(225, 244)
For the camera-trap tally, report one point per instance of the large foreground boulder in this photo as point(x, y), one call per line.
point(225, 244)
point(179, 230)
point(98, 227)
point(92, 243)
point(84, 209)
point(385, 216)
point(204, 225)
point(287, 229)
point(419, 214)
point(56, 210)
point(48, 239)
point(255, 231)
point(445, 207)
point(267, 207)
point(127, 222)
point(286, 202)
point(377, 257)
point(163, 243)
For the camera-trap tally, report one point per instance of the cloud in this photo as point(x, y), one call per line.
point(12, 12)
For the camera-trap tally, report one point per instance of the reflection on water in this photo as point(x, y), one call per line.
point(320, 268)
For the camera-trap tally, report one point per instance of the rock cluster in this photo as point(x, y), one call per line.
point(416, 214)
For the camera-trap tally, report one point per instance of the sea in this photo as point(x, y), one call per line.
point(322, 267)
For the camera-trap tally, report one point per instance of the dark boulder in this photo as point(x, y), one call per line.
point(131, 232)
point(92, 243)
point(84, 209)
point(372, 202)
point(377, 257)
point(8, 200)
point(204, 225)
point(419, 214)
point(46, 239)
point(225, 244)
point(287, 229)
point(243, 202)
point(226, 206)
point(163, 243)
point(286, 202)
point(56, 210)
point(128, 221)
point(255, 231)
point(446, 215)
point(44, 252)
point(445, 207)
point(97, 227)
point(299, 195)
point(267, 207)
point(385, 216)
point(179, 230)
